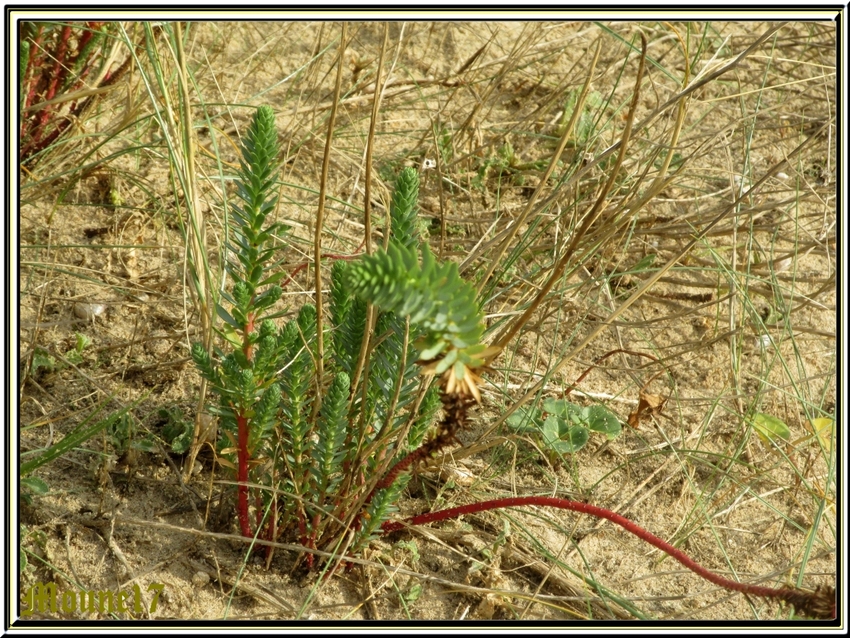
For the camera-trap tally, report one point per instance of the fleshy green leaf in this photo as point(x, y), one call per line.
point(434, 296)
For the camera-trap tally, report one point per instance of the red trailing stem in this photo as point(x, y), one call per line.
point(819, 604)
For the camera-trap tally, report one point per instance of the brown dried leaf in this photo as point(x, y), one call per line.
point(648, 404)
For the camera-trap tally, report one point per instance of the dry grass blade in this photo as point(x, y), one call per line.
point(362, 361)
point(370, 145)
point(553, 163)
point(320, 219)
point(198, 256)
point(579, 235)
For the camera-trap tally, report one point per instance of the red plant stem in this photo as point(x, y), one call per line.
point(242, 452)
point(63, 64)
point(317, 519)
point(242, 476)
point(41, 118)
point(305, 542)
point(88, 34)
point(33, 148)
point(85, 37)
point(57, 74)
point(311, 543)
point(389, 478)
point(36, 54)
point(821, 604)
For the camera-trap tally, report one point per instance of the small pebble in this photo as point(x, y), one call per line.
point(159, 344)
point(89, 311)
point(209, 428)
point(200, 579)
point(783, 264)
point(741, 183)
point(462, 478)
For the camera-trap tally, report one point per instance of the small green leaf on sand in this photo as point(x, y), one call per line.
point(769, 428)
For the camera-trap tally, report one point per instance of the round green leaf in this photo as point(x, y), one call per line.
point(555, 406)
point(601, 419)
point(574, 439)
point(570, 412)
point(524, 420)
point(553, 428)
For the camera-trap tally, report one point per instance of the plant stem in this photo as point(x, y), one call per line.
point(242, 476)
point(333, 256)
point(819, 604)
point(247, 346)
point(35, 62)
